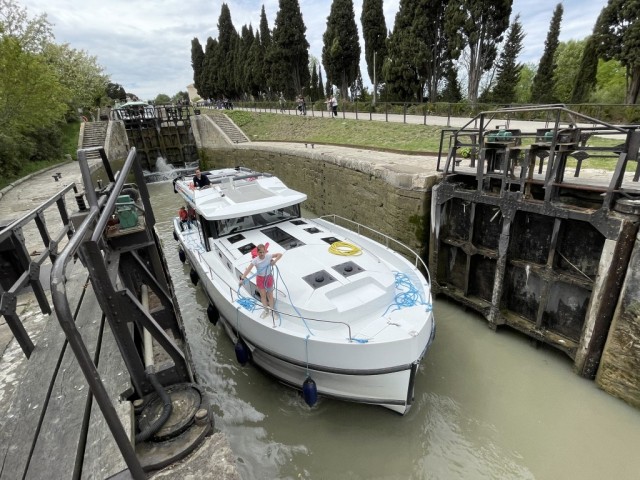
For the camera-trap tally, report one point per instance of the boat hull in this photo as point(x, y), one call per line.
point(373, 373)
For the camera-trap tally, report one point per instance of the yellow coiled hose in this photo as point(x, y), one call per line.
point(344, 249)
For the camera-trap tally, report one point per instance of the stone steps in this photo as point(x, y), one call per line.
point(230, 129)
point(94, 135)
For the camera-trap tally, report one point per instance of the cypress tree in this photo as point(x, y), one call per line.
point(341, 47)
point(429, 27)
point(508, 70)
point(478, 25)
point(451, 92)
point(543, 82)
point(313, 91)
point(400, 69)
point(374, 31)
point(224, 61)
point(265, 47)
point(289, 53)
point(208, 77)
point(197, 60)
point(586, 77)
point(320, 83)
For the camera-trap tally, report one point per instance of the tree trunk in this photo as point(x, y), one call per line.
point(634, 87)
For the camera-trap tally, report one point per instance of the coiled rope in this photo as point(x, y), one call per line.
point(408, 295)
point(344, 249)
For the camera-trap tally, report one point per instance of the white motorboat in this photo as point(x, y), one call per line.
point(352, 317)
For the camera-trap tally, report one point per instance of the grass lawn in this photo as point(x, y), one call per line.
point(374, 135)
point(406, 138)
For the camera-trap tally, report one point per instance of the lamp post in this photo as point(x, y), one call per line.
point(374, 77)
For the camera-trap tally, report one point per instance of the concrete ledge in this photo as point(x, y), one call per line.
point(410, 172)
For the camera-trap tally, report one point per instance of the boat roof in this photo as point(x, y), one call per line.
point(237, 192)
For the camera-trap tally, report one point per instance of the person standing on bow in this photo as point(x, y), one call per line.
point(264, 263)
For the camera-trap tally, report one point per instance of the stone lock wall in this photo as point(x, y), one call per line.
point(366, 197)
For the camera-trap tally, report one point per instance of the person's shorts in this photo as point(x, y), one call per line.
point(265, 283)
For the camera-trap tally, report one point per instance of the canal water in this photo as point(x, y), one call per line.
point(488, 405)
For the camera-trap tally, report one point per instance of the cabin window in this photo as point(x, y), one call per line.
point(228, 226)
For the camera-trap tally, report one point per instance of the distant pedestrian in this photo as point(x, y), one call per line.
point(282, 102)
point(302, 105)
point(334, 105)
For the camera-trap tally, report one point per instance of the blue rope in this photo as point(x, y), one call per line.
point(408, 296)
point(247, 302)
point(292, 304)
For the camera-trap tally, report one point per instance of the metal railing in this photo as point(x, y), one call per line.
point(65, 317)
point(30, 276)
point(612, 113)
point(418, 261)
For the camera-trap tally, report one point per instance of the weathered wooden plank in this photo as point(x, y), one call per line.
point(61, 433)
point(20, 428)
point(102, 458)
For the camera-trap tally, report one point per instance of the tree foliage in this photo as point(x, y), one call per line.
point(341, 47)
point(32, 34)
point(585, 80)
point(542, 90)
point(403, 68)
point(617, 37)
point(79, 73)
point(374, 32)
point(567, 61)
point(197, 63)
point(478, 26)
point(611, 83)
point(289, 53)
point(509, 69)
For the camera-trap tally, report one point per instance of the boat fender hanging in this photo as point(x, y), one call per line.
point(242, 352)
point(194, 276)
point(182, 256)
point(175, 236)
point(213, 314)
point(310, 392)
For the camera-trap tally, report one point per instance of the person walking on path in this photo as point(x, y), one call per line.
point(282, 102)
point(334, 105)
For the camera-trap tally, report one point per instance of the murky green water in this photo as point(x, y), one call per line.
point(489, 405)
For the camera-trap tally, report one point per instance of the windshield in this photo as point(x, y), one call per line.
point(257, 220)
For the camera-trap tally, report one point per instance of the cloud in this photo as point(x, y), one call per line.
point(146, 46)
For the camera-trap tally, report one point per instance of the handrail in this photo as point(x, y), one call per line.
point(32, 267)
point(418, 258)
point(65, 318)
point(232, 293)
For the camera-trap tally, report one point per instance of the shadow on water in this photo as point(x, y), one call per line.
point(488, 405)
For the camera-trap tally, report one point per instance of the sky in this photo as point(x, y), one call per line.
point(145, 45)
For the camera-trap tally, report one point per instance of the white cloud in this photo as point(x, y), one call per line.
point(146, 46)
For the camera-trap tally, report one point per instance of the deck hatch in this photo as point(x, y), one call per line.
point(312, 230)
point(298, 222)
point(347, 269)
point(236, 238)
point(244, 249)
point(319, 279)
point(282, 238)
point(331, 240)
